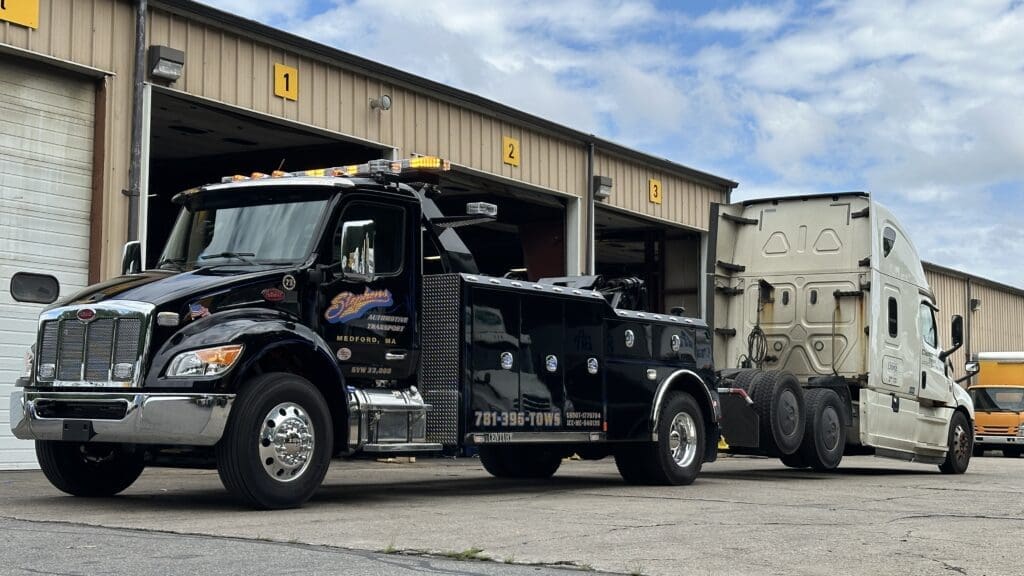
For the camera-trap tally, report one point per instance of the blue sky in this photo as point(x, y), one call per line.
point(919, 102)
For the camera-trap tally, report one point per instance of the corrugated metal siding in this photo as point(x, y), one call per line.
point(684, 201)
point(237, 70)
point(99, 34)
point(998, 326)
point(951, 297)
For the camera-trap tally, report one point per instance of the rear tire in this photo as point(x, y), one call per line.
point(1011, 452)
point(779, 403)
point(961, 445)
point(278, 442)
point(538, 462)
point(89, 470)
point(824, 433)
point(676, 458)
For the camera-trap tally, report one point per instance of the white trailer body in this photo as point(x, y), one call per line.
point(830, 289)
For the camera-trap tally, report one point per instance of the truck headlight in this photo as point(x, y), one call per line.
point(204, 362)
point(30, 360)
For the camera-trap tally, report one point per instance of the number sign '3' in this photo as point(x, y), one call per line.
point(654, 191)
point(286, 82)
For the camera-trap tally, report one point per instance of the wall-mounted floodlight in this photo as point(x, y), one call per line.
point(382, 103)
point(166, 63)
point(602, 187)
point(975, 304)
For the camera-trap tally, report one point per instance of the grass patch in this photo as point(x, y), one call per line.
point(467, 554)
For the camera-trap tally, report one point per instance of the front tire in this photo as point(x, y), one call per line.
point(676, 458)
point(89, 470)
point(961, 445)
point(277, 446)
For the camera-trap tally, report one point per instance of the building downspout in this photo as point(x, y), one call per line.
point(135, 162)
point(589, 268)
point(969, 323)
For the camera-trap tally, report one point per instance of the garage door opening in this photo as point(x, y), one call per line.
point(193, 144)
point(666, 258)
point(527, 241)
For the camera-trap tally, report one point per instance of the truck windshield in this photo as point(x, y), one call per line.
point(1008, 399)
point(260, 234)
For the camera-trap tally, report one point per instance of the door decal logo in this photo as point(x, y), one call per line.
point(348, 306)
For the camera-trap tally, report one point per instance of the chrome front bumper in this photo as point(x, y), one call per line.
point(990, 440)
point(183, 419)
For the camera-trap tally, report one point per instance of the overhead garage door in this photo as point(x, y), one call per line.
point(46, 130)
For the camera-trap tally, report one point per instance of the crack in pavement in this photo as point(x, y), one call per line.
point(962, 516)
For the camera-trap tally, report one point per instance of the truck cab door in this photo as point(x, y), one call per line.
point(933, 385)
point(369, 294)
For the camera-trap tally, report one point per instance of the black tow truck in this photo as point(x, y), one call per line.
point(296, 317)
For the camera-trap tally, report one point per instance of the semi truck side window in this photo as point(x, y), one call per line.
point(894, 325)
point(369, 239)
point(926, 320)
point(888, 240)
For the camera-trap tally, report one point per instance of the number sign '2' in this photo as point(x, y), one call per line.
point(22, 12)
point(510, 151)
point(286, 82)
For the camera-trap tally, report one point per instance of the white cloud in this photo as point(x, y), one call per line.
point(917, 100)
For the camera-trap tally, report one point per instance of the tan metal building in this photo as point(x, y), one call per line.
point(212, 94)
point(993, 312)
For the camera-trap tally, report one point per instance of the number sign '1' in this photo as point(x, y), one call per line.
point(22, 12)
point(286, 82)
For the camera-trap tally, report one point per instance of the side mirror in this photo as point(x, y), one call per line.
point(131, 258)
point(972, 368)
point(958, 337)
point(958, 331)
point(34, 288)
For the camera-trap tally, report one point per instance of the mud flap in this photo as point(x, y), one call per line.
point(740, 424)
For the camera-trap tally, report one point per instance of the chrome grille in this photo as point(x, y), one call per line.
point(85, 353)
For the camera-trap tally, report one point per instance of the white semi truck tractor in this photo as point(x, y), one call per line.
point(825, 336)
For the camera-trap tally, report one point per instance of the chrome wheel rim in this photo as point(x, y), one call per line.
point(286, 442)
point(682, 439)
point(961, 441)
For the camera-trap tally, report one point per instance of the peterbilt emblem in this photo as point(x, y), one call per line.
point(506, 360)
point(676, 342)
point(630, 338)
point(86, 315)
point(551, 363)
point(592, 365)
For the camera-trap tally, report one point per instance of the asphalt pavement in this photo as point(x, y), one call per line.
point(742, 516)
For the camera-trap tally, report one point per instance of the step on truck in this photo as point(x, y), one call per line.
point(998, 395)
point(297, 317)
point(825, 336)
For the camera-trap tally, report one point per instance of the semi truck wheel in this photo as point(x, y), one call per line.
point(961, 444)
point(520, 461)
point(676, 458)
point(89, 469)
point(277, 445)
point(824, 433)
point(779, 402)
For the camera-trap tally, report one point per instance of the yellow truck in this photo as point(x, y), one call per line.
point(998, 402)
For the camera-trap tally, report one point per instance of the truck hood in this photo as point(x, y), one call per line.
point(161, 287)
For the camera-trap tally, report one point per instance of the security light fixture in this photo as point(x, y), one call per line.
point(602, 187)
point(975, 304)
point(383, 103)
point(166, 63)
